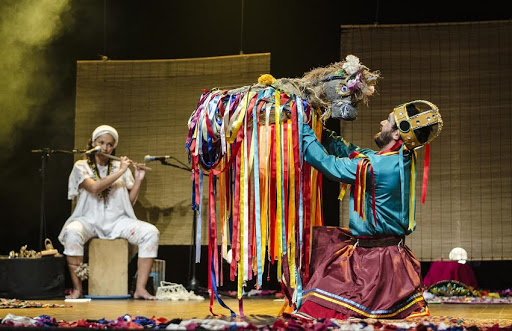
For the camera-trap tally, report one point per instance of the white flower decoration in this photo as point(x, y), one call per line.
point(370, 90)
point(351, 65)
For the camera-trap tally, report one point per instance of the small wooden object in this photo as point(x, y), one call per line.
point(49, 251)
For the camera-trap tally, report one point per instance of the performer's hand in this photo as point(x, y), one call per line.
point(125, 162)
point(139, 172)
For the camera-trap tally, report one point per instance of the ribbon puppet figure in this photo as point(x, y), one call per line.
point(261, 195)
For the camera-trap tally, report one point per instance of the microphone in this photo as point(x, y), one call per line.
point(93, 150)
point(149, 158)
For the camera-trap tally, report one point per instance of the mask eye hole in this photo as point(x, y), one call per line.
point(404, 126)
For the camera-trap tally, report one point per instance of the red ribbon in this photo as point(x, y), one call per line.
point(426, 164)
point(210, 245)
point(285, 176)
point(374, 205)
point(307, 217)
point(272, 193)
point(235, 243)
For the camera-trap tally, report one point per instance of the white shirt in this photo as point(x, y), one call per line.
point(101, 214)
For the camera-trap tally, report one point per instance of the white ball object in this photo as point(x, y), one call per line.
point(458, 254)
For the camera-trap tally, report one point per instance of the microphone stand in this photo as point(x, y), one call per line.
point(45, 155)
point(193, 283)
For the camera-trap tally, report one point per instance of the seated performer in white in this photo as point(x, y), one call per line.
point(106, 191)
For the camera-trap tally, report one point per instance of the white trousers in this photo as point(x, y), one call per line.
point(142, 234)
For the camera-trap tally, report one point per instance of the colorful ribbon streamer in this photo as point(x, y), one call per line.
point(249, 143)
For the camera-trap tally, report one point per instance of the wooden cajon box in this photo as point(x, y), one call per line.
point(108, 267)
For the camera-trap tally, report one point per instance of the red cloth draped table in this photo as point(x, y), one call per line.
point(450, 270)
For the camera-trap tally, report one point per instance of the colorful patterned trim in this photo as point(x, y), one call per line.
point(360, 309)
point(302, 315)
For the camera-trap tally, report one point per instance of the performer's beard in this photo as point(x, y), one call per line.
point(383, 138)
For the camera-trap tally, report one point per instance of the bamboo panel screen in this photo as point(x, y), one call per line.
point(149, 102)
point(465, 69)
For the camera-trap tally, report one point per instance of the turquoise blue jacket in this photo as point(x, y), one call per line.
point(392, 174)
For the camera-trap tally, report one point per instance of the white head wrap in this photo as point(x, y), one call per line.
point(102, 129)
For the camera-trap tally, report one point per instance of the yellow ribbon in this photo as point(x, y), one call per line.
point(279, 205)
point(241, 227)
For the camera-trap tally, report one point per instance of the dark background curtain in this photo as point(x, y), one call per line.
point(465, 69)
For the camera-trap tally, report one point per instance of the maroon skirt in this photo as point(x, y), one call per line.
point(375, 278)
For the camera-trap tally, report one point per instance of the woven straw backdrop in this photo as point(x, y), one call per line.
point(465, 69)
point(149, 102)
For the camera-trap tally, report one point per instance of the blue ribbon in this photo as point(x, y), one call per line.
point(300, 118)
point(214, 287)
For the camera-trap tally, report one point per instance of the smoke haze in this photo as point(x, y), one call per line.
point(27, 27)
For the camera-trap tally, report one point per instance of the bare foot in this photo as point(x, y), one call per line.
point(143, 294)
point(75, 294)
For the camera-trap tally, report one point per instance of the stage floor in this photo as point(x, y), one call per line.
point(258, 310)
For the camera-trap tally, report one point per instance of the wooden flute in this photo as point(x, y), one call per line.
point(119, 159)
